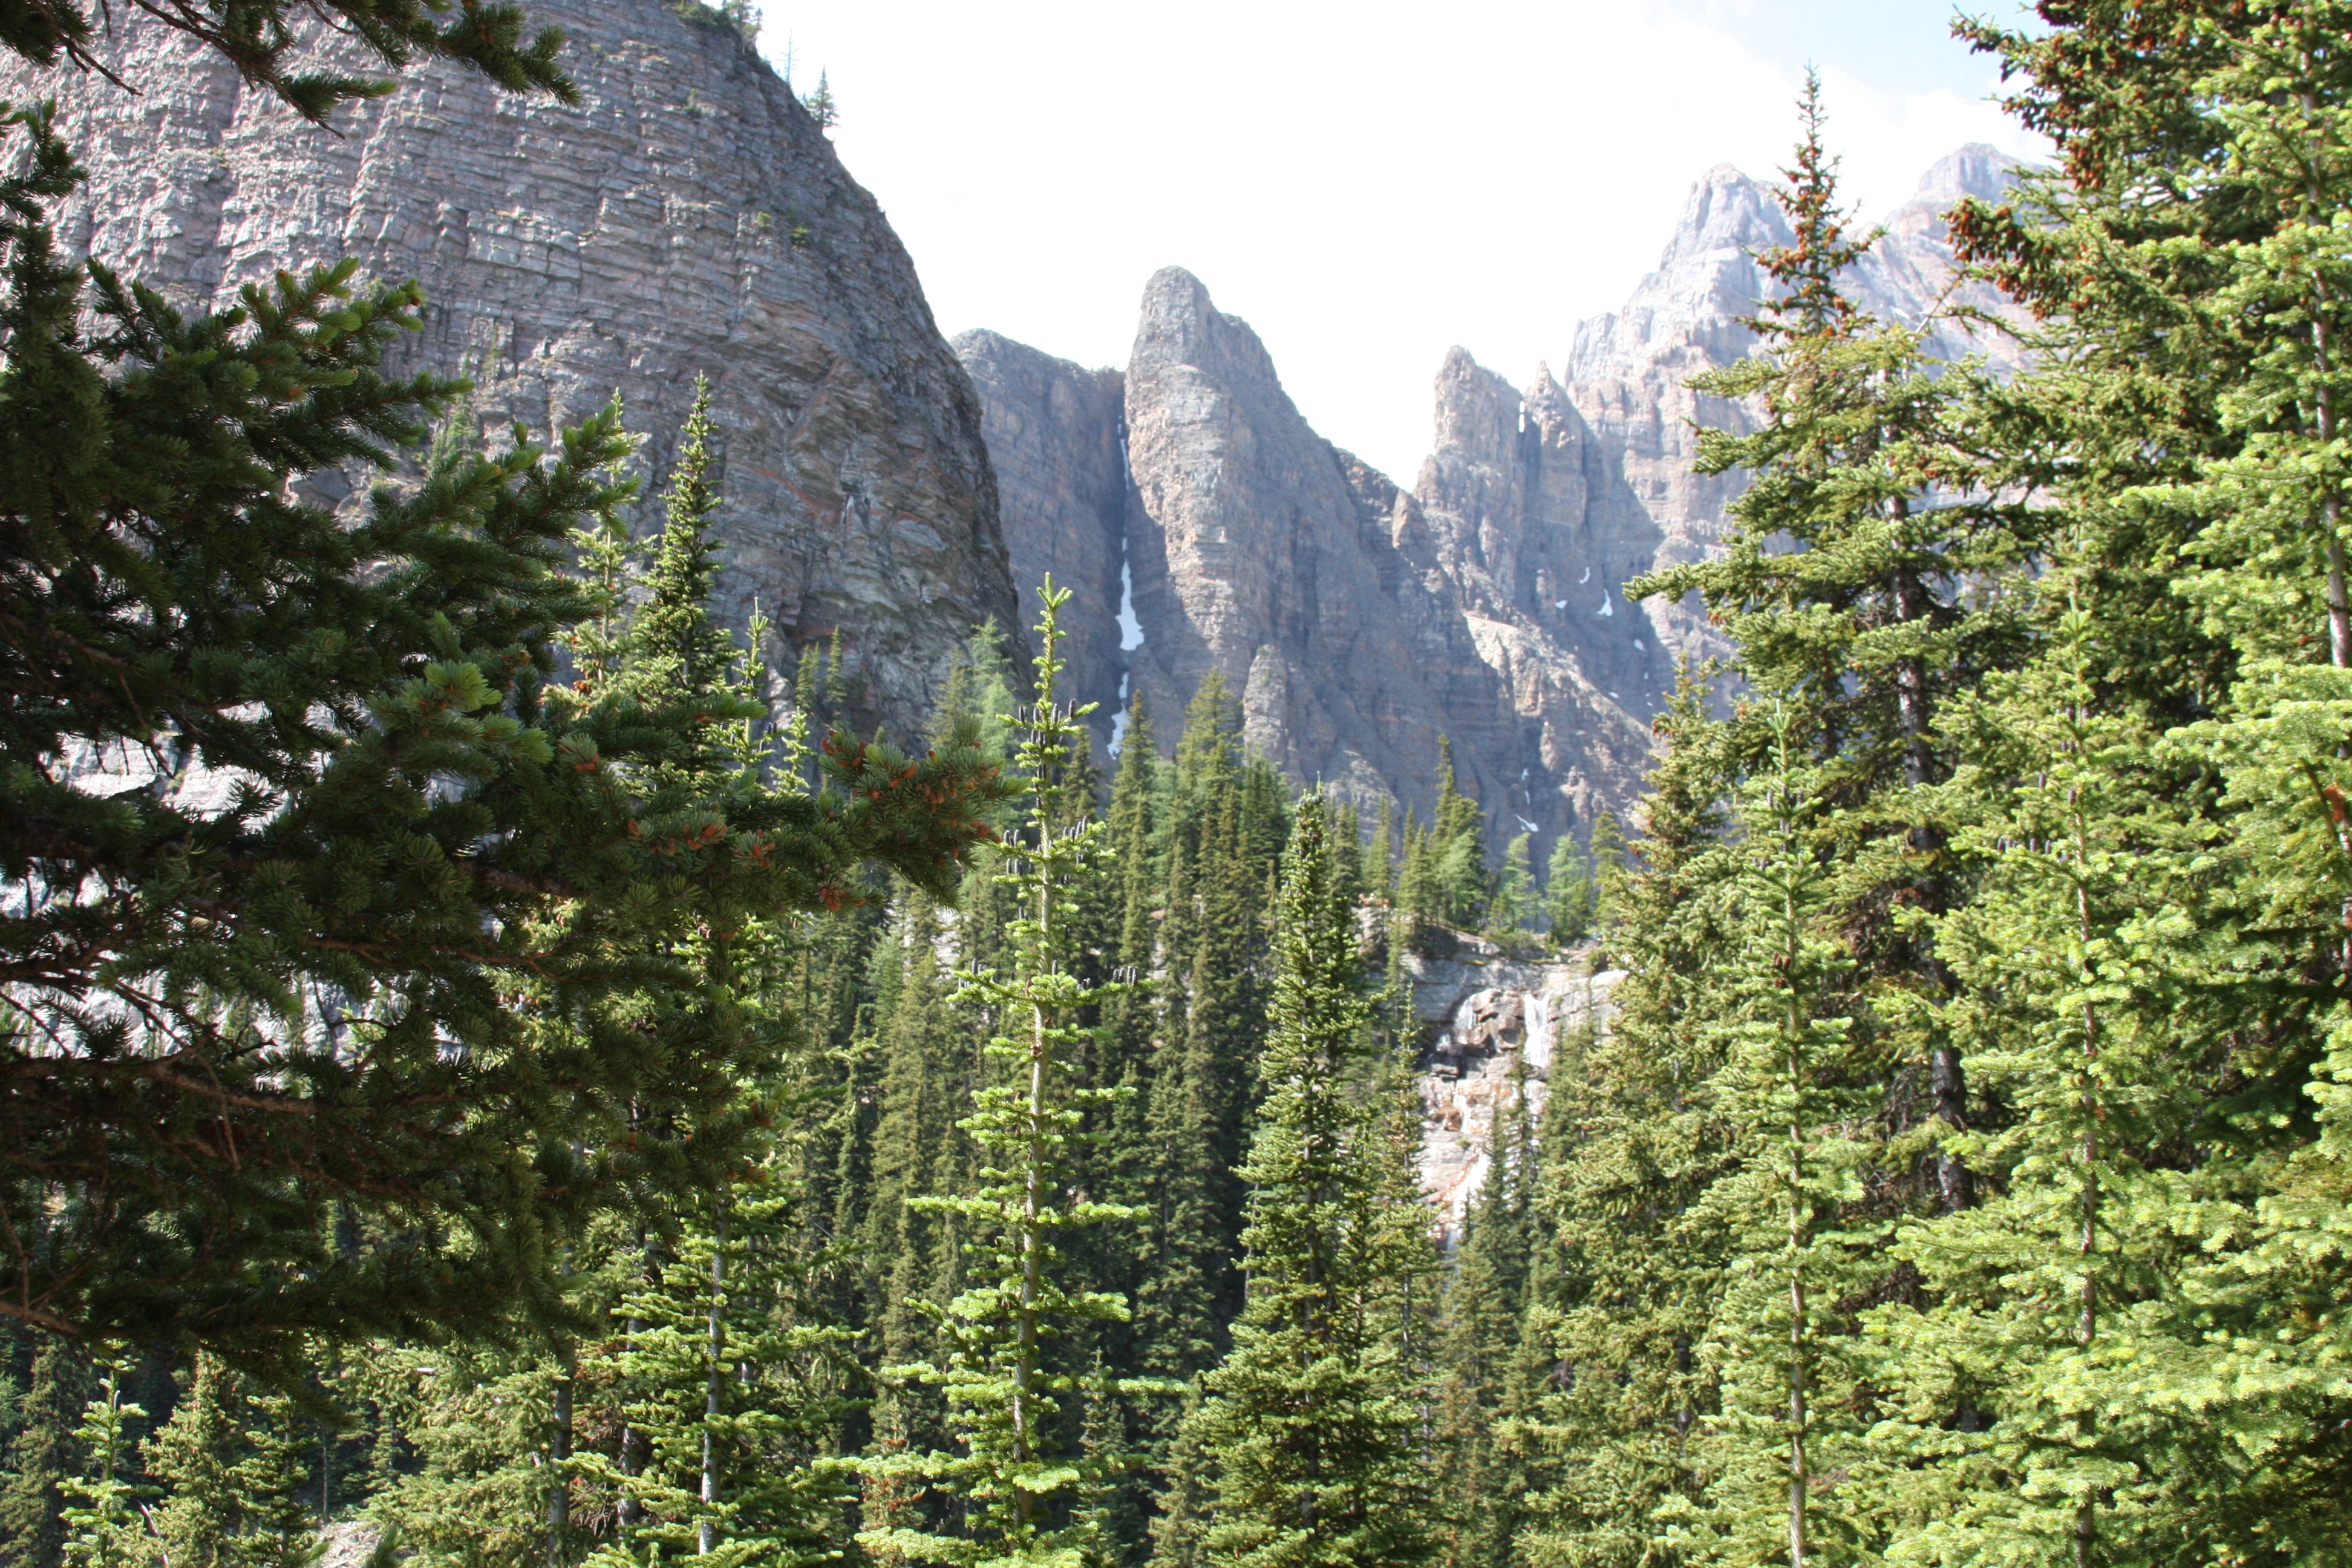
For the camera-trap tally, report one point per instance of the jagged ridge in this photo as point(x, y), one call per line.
point(1358, 620)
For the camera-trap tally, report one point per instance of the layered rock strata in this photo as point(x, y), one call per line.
point(687, 216)
point(1358, 620)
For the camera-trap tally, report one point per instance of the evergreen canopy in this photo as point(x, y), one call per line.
point(303, 828)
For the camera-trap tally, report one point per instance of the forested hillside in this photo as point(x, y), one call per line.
point(492, 1081)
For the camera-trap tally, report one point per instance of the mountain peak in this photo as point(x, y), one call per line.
point(1980, 169)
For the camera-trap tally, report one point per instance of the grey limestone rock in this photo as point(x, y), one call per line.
point(1054, 437)
point(1359, 621)
point(687, 216)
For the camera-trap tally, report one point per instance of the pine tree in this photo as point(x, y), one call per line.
point(1461, 886)
point(1513, 908)
point(1309, 1422)
point(104, 1527)
point(1571, 901)
point(396, 34)
point(432, 836)
point(1786, 1444)
point(1479, 1479)
point(41, 1455)
point(1019, 1484)
point(1627, 1264)
point(235, 1469)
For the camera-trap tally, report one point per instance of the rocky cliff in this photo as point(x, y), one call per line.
point(1497, 1028)
point(1626, 373)
point(1057, 435)
point(686, 216)
point(1359, 620)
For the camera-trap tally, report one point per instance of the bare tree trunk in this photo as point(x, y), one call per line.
point(559, 1451)
point(715, 1350)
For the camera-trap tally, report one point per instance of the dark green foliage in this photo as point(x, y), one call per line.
point(1307, 1429)
point(1957, 1175)
point(41, 1454)
point(236, 1461)
point(1485, 1395)
point(271, 1050)
point(1013, 1465)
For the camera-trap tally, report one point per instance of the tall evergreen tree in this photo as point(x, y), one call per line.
point(1309, 1423)
point(1480, 1475)
point(103, 1525)
point(1628, 1264)
point(1864, 582)
point(42, 1455)
point(1019, 1480)
point(424, 828)
point(1570, 901)
point(233, 1462)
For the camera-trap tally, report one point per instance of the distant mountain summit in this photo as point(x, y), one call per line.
point(1358, 620)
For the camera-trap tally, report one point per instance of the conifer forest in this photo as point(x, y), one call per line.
point(489, 1082)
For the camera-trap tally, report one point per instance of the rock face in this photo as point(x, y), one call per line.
point(1649, 507)
point(1259, 550)
point(1499, 1024)
point(687, 216)
point(1055, 435)
point(1359, 621)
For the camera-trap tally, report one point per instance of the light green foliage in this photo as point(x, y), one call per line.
point(1003, 1390)
point(236, 1462)
point(559, 1083)
point(733, 1387)
point(1571, 900)
point(1514, 909)
point(1785, 1445)
point(104, 1528)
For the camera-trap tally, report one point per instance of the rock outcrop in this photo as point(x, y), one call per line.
point(1497, 1025)
point(1359, 621)
point(1259, 550)
point(1055, 435)
point(687, 216)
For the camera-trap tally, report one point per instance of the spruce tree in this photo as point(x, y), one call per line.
point(1627, 1263)
point(293, 995)
point(234, 1462)
point(1210, 1023)
point(103, 1524)
point(1570, 897)
point(1786, 1444)
point(42, 1454)
point(1513, 910)
point(736, 1399)
point(1866, 582)
point(1461, 883)
point(1479, 1479)
point(1022, 1486)
point(1309, 1422)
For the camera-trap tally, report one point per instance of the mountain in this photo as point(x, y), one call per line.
point(1359, 620)
point(687, 216)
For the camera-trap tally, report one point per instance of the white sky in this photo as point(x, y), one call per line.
point(1366, 183)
